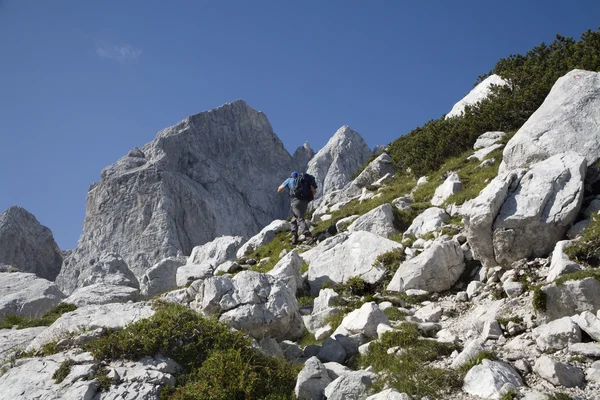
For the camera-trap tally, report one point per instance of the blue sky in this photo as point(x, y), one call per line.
point(82, 82)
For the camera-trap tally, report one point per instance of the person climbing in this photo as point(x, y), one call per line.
point(302, 189)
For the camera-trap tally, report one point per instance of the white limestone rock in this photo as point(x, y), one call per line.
point(524, 213)
point(487, 379)
point(92, 317)
point(593, 374)
point(577, 229)
point(189, 273)
point(434, 270)
point(217, 251)
point(568, 120)
point(344, 223)
point(259, 304)
point(556, 335)
point(590, 349)
point(110, 269)
point(471, 350)
point(364, 320)
point(332, 351)
point(379, 221)
point(101, 293)
point(483, 153)
point(27, 245)
point(389, 394)
point(588, 323)
point(312, 380)
point(512, 289)
point(451, 185)
point(430, 313)
point(344, 256)
point(560, 263)
point(13, 340)
point(26, 294)
point(265, 236)
point(336, 370)
point(571, 297)
point(476, 95)
point(353, 386)
point(428, 221)
point(161, 278)
point(289, 270)
point(488, 139)
point(376, 169)
point(558, 373)
point(491, 330)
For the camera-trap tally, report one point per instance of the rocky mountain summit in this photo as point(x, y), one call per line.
point(480, 280)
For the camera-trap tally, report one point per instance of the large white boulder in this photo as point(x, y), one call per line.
point(110, 269)
point(289, 270)
point(428, 221)
point(353, 386)
point(312, 380)
point(364, 320)
point(560, 263)
point(347, 255)
point(221, 249)
point(379, 221)
point(92, 317)
point(588, 323)
point(477, 94)
point(325, 305)
point(376, 169)
point(265, 236)
point(436, 269)
point(558, 373)
point(26, 294)
point(259, 304)
point(568, 120)
point(487, 379)
point(389, 394)
point(161, 278)
point(451, 185)
point(186, 274)
point(101, 293)
point(557, 334)
point(571, 297)
point(488, 139)
point(523, 213)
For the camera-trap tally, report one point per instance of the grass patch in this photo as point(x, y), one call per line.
point(47, 319)
point(62, 371)
point(394, 314)
point(579, 275)
point(539, 300)
point(335, 320)
point(272, 250)
point(510, 395)
point(560, 396)
point(484, 355)
point(409, 371)
point(505, 320)
point(307, 339)
point(392, 259)
point(217, 363)
point(586, 250)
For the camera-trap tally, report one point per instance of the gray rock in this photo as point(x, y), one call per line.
point(291, 350)
point(353, 386)
point(428, 221)
point(434, 270)
point(474, 288)
point(13, 340)
point(161, 278)
point(344, 256)
point(477, 94)
point(26, 294)
point(571, 297)
point(557, 334)
point(589, 349)
point(312, 380)
point(389, 394)
point(593, 374)
point(512, 289)
point(491, 330)
point(335, 370)
point(289, 270)
point(566, 121)
point(487, 139)
point(592, 208)
point(265, 236)
point(524, 213)
point(487, 379)
point(217, 251)
point(302, 157)
point(558, 373)
point(588, 323)
point(483, 153)
point(471, 350)
point(379, 221)
point(560, 263)
point(187, 274)
point(332, 351)
point(27, 245)
point(101, 293)
point(343, 223)
point(451, 185)
point(334, 165)
point(376, 169)
point(363, 320)
point(90, 318)
point(186, 190)
point(577, 229)
point(430, 313)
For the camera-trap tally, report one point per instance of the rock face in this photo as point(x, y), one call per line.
point(428, 221)
point(162, 277)
point(480, 92)
point(568, 120)
point(27, 295)
point(12, 340)
point(301, 157)
point(312, 380)
point(27, 245)
point(524, 213)
point(101, 293)
point(183, 189)
point(335, 163)
point(571, 297)
point(379, 221)
point(451, 185)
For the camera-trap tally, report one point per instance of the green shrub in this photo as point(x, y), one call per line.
point(539, 300)
point(46, 320)
point(63, 371)
point(394, 314)
point(408, 370)
point(579, 275)
point(272, 250)
point(392, 259)
point(484, 355)
point(586, 250)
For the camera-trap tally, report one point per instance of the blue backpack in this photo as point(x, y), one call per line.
point(302, 185)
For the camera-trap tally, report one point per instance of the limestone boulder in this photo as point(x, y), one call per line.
point(379, 221)
point(481, 154)
point(470, 352)
point(259, 304)
point(162, 277)
point(436, 269)
point(588, 323)
point(289, 270)
point(567, 121)
point(376, 169)
point(571, 297)
point(26, 294)
point(347, 255)
point(487, 379)
point(265, 236)
point(27, 245)
point(488, 139)
point(13, 340)
point(353, 386)
point(102, 293)
point(560, 263)
point(451, 185)
point(217, 251)
point(312, 380)
point(428, 221)
point(523, 213)
point(557, 334)
point(389, 394)
point(364, 320)
point(476, 95)
point(558, 373)
point(186, 274)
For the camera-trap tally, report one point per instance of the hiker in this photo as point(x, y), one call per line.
point(302, 191)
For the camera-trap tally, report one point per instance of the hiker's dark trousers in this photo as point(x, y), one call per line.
point(299, 208)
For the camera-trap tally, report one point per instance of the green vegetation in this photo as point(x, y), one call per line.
point(560, 396)
point(62, 371)
point(217, 362)
point(505, 320)
point(408, 370)
point(539, 300)
point(530, 78)
point(394, 314)
point(272, 250)
point(47, 319)
point(586, 250)
point(307, 339)
point(101, 376)
point(392, 259)
point(510, 395)
point(484, 355)
point(579, 275)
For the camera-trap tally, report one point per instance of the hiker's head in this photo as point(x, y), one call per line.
point(294, 175)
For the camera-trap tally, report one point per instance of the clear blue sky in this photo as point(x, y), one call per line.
point(82, 82)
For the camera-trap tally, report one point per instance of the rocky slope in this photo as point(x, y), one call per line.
point(417, 289)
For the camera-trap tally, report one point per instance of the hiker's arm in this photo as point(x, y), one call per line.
point(280, 189)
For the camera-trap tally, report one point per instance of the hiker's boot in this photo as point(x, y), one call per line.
point(309, 238)
point(295, 239)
